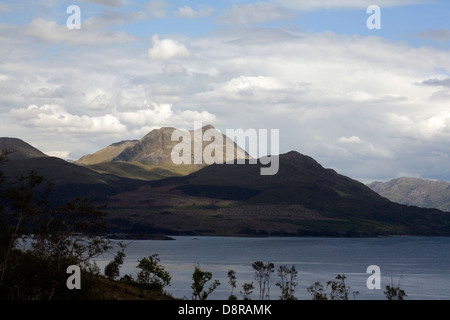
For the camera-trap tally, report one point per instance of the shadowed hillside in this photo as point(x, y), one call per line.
point(303, 198)
point(69, 180)
point(19, 150)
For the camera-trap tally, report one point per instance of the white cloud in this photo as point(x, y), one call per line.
point(253, 14)
point(243, 83)
point(249, 88)
point(352, 139)
point(188, 12)
point(162, 114)
point(425, 128)
point(188, 117)
point(54, 118)
point(167, 49)
point(59, 154)
point(153, 115)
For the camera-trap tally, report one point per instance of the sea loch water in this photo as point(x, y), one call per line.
point(421, 265)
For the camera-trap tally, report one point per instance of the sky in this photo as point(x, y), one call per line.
point(369, 101)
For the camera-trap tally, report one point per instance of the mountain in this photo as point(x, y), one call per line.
point(19, 150)
point(416, 192)
point(303, 198)
point(68, 180)
point(106, 154)
point(150, 157)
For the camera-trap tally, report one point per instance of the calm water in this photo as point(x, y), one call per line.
point(421, 264)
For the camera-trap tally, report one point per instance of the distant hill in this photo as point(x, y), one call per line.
point(150, 157)
point(106, 154)
point(415, 192)
point(19, 150)
point(303, 198)
point(69, 180)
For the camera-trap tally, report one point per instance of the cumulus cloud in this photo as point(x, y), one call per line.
point(249, 88)
point(153, 115)
point(425, 128)
point(167, 49)
point(59, 154)
point(242, 83)
point(54, 118)
point(162, 114)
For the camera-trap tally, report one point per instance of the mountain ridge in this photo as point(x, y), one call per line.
point(106, 154)
point(152, 153)
point(302, 199)
point(415, 191)
point(68, 180)
point(19, 149)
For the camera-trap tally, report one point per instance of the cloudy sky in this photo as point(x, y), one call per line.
point(373, 104)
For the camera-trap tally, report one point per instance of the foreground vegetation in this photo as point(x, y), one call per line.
point(40, 240)
point(153, 276)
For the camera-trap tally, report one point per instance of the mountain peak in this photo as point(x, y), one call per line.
point(155, 150)
point(416, 192)
point(19, 149)
point(156, 147)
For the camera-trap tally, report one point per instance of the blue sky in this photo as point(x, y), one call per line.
point(371, 104)
point(399, 22)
